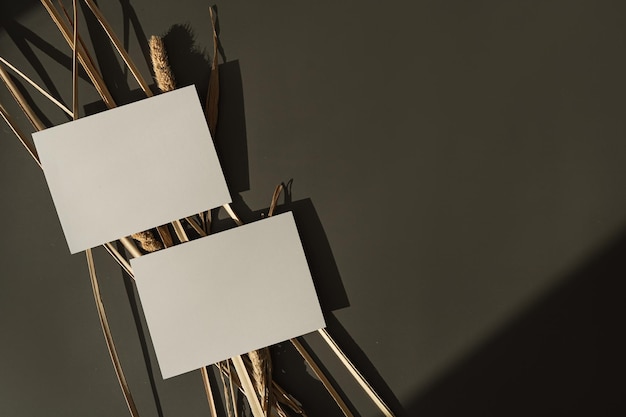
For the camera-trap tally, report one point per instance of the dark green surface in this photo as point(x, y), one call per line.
point(464, 160)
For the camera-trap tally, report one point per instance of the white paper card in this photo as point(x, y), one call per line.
point(227, 294)
point(131, 168)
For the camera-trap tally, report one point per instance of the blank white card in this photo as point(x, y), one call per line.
point(131, 168)
point(227, 294)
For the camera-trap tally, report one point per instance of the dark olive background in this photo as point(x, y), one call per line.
point(458, 173)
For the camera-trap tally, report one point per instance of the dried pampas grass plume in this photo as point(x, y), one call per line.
point(262, 374)
point(147, 241)
point(161, 66)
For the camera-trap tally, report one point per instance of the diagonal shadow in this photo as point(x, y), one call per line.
point(107, 58)
point(129, 17)
point(328, 285)
point(129, 285)
point(189, 64)
point(289, 366)
point(561, 358)
point(230, 138)
point(12, 9)
point(25, 39)
point(30, 101)
point(290, 371)
point(363, 364)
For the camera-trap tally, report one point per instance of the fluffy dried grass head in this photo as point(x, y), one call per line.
point(262, 374)
point(161, 66)
point(147, 241)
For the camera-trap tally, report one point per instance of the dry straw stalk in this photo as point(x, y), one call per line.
point(37, 87)
point(209, 392)
point(320, 374)
point(19, 98)
point(384, 408)
point(279, 395)
point(248, 387)
point(213, 94)
point(87, 63)
point(70, 24)
point(118, 45)
point(108, 337)
point(20, 135)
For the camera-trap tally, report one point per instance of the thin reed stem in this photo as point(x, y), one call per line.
point(87, 64)
point(248, 387)
point(180, 231)
point(213, 94)
point(279, 395)
point(21, 100)
point(20, 135)
point(119, 259)
point(232, 214)
point(36, 86)
point(130, 247)
point(108, 337)
point(70, 23)
point(231, 386)
point(196, 226)
point(75, 64)
point(120, 48)
point(165, 235)
point(384, 408)
point(322, 377)
point(209, 392)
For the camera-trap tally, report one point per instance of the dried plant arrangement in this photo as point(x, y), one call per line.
point(249, 375)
